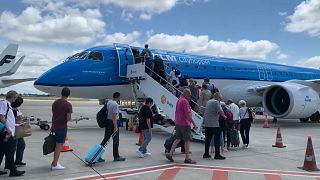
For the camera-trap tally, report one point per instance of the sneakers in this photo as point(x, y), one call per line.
point(3, 173)
point(57, 167)
point(101, 160)
point(20, 163)
point(147, 154)
point(119, 159)
point(245, 146)
point(16, 173)
point(169, 157)
point(140, 154)
point(219, 157)
point(206, 156)
point(189, 161)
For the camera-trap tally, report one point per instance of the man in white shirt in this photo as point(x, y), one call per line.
point(7, 140)
point(234, 109)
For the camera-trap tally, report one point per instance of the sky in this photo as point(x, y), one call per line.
point(48, 31)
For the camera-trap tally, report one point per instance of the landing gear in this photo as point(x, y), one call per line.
point(315, 117)
point(304, 119)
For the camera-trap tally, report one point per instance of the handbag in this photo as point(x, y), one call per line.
point(23, 130)
point(49, 144)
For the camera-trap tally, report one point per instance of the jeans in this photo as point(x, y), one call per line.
point(107, 134)
point(245, 125)
point(146, 140)
point(209, 132)
point(20, 149)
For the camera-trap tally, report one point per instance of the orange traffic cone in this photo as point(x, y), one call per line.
point(278, 140)
point(140, 139)
point(265, 124)
point(309, 160)
point(66, 147)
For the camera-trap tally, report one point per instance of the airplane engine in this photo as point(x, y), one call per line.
point(290, 100)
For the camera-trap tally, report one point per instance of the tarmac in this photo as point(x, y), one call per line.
point(259, 161)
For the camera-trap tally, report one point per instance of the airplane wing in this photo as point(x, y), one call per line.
point(7, 58)
point(14, 68)
point(9, 82)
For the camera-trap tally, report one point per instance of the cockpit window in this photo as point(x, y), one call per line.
point(95, 56)
point(81, 55)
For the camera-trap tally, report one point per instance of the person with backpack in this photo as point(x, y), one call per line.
point(246, 119)
point(145, 126)
point(111, 127)
point(146, 53)
point(159, 71)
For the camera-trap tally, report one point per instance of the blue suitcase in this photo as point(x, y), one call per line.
point(95, 153)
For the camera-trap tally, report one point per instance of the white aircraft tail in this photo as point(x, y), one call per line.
point(7, 58)
point(162, 97)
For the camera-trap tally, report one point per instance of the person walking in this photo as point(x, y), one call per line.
point(21, 145)
point(212, 126)
point(183, 121)
point(7, 141)
point(245, 123)
point(61, 114)
point(111, 128)
point(145, 126)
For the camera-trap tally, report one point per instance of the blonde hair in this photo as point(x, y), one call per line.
point(242, 103)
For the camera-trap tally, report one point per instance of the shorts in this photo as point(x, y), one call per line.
point(183, 133)
point(60, 135)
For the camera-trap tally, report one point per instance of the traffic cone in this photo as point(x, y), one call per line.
point(278, 140)
point(140, 139)
point(309, 160)
point(265, 124)
point(66, 147)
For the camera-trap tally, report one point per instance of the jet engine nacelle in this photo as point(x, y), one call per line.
point(290, 100)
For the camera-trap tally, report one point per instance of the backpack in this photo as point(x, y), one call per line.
point(229, 117)
point(183, 81)
point(102, 116)
point(252, 115)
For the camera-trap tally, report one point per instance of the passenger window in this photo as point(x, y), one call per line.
point(223, 68)
point(97, 56)
point(214, 67)
point(246, 70)
point(177, 65)
point(204, 66)
point(231, 68)
point(196, 66)
point(239, 69)
point(186, 65)
point(252, 71)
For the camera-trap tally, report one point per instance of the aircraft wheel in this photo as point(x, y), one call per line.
point(46, 127)
point(315, 117)
point(304, 119)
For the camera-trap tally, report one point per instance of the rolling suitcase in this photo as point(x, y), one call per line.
point(234, 137)
point(96, 152)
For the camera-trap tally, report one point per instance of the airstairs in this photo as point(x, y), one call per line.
point(163, 98)
point(142, 82)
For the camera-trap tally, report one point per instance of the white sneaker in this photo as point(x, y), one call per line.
point(147, 154)
point(57, 167)
point(140, 154)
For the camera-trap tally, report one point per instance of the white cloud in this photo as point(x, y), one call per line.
point(130, 38)
point(313, 62)
point(145, 16)
point(283, 13)
point(306, 18)
point(203, 45)
point(54, 23)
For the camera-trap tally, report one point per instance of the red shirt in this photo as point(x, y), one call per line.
point(182, 110)
point(60, 109)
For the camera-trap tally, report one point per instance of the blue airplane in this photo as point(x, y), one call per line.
point(287, 92)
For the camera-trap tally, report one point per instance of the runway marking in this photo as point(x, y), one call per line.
point(171, 170)
point(272, 177)
point(220, 175)
point(169, 174)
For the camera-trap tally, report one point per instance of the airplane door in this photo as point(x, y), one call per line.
point(125, 58)
point(261, 73)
